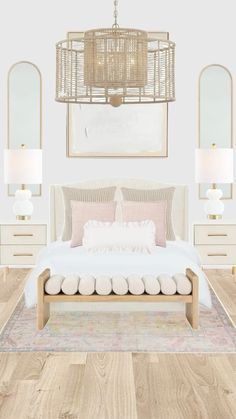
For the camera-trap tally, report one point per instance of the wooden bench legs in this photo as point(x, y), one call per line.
point(43, 308)
point(191, 301)
point(192, 309)
point(43, 315)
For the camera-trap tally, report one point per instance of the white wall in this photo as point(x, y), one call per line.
point(204, 32)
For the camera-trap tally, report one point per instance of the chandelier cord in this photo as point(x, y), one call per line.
point(115, 25)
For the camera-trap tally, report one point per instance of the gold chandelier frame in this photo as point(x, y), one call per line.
point(115, 65)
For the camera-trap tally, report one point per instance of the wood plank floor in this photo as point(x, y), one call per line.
point(224, 285)
point(11, 290)
point(116, 385)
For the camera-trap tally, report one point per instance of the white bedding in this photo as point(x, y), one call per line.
point(62, 259)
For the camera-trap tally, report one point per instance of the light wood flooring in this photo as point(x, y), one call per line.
point(116, 385)
point(224, 285)
point(11, 290)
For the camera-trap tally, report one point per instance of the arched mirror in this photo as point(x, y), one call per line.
point(215, 114)
point(24, 111)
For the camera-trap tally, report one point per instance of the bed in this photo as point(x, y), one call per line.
point(176, 257)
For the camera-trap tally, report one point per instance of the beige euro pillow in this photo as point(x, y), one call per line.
point(83, 195)
point(154, 195)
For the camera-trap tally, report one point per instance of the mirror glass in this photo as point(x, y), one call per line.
point(215, 114)
point(24, 111)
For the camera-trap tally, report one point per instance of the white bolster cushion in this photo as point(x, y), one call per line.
point(183, 285)
point(103, 285)
point(168, 285)
point(136, 236)
point(119, 285)
point(53, 284)
point(86, 285)
point(151, 284)
point(136, 285)
point(70, 285)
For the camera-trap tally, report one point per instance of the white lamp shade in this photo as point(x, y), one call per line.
point(23, 166)
point(214, 165)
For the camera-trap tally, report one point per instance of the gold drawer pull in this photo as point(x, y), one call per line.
point(23, 235)
point(23, 254)
point(217, 254)
point(217, 235)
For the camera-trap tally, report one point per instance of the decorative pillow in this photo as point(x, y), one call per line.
point(84, 211)
point(155, 211)
point(84, 195)
point(154, 195)
point(119, 236)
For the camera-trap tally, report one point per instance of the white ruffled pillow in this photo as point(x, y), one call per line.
point(117, 236)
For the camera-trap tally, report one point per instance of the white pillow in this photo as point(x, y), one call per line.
point(118, 236)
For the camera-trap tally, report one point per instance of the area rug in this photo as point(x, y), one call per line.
point(132, 331)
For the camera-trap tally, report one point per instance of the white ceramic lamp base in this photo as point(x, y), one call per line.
point(23, 207)
point(214, 207)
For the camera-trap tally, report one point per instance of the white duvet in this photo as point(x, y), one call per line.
point(62, 259)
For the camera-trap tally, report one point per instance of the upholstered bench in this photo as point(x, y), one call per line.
point(87, 288)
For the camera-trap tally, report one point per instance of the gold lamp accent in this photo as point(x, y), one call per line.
point(115, 65)
point(214, 216)
point(214, 186)
point(23, 217)
point(23, 166)
point(215, 166)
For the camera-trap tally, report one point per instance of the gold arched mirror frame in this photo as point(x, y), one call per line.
point(24, 111)
point(220, 108)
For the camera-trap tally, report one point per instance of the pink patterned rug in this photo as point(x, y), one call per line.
point(133, 331)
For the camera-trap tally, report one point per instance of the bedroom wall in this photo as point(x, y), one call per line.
point(29, 30)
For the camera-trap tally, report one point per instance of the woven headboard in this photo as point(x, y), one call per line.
point(180, 202)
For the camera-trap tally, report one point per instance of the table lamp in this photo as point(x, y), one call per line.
point(23, 166)
point(214, 165)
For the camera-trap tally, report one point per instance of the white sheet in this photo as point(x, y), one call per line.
point(62, 259)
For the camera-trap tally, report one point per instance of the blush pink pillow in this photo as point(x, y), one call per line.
point(84, 211)
point(155, 211)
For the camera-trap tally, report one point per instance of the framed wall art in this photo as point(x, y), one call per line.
point(131, 130)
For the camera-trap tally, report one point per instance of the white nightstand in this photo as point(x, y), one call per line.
point(20, 242)
point(216, 243)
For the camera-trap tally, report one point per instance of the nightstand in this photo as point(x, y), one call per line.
point(20, 242)
point(216, 243)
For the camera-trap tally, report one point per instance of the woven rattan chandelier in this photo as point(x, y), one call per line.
point(116, 66)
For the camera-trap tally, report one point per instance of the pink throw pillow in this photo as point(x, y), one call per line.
point(155, 211)
point(85, 211)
